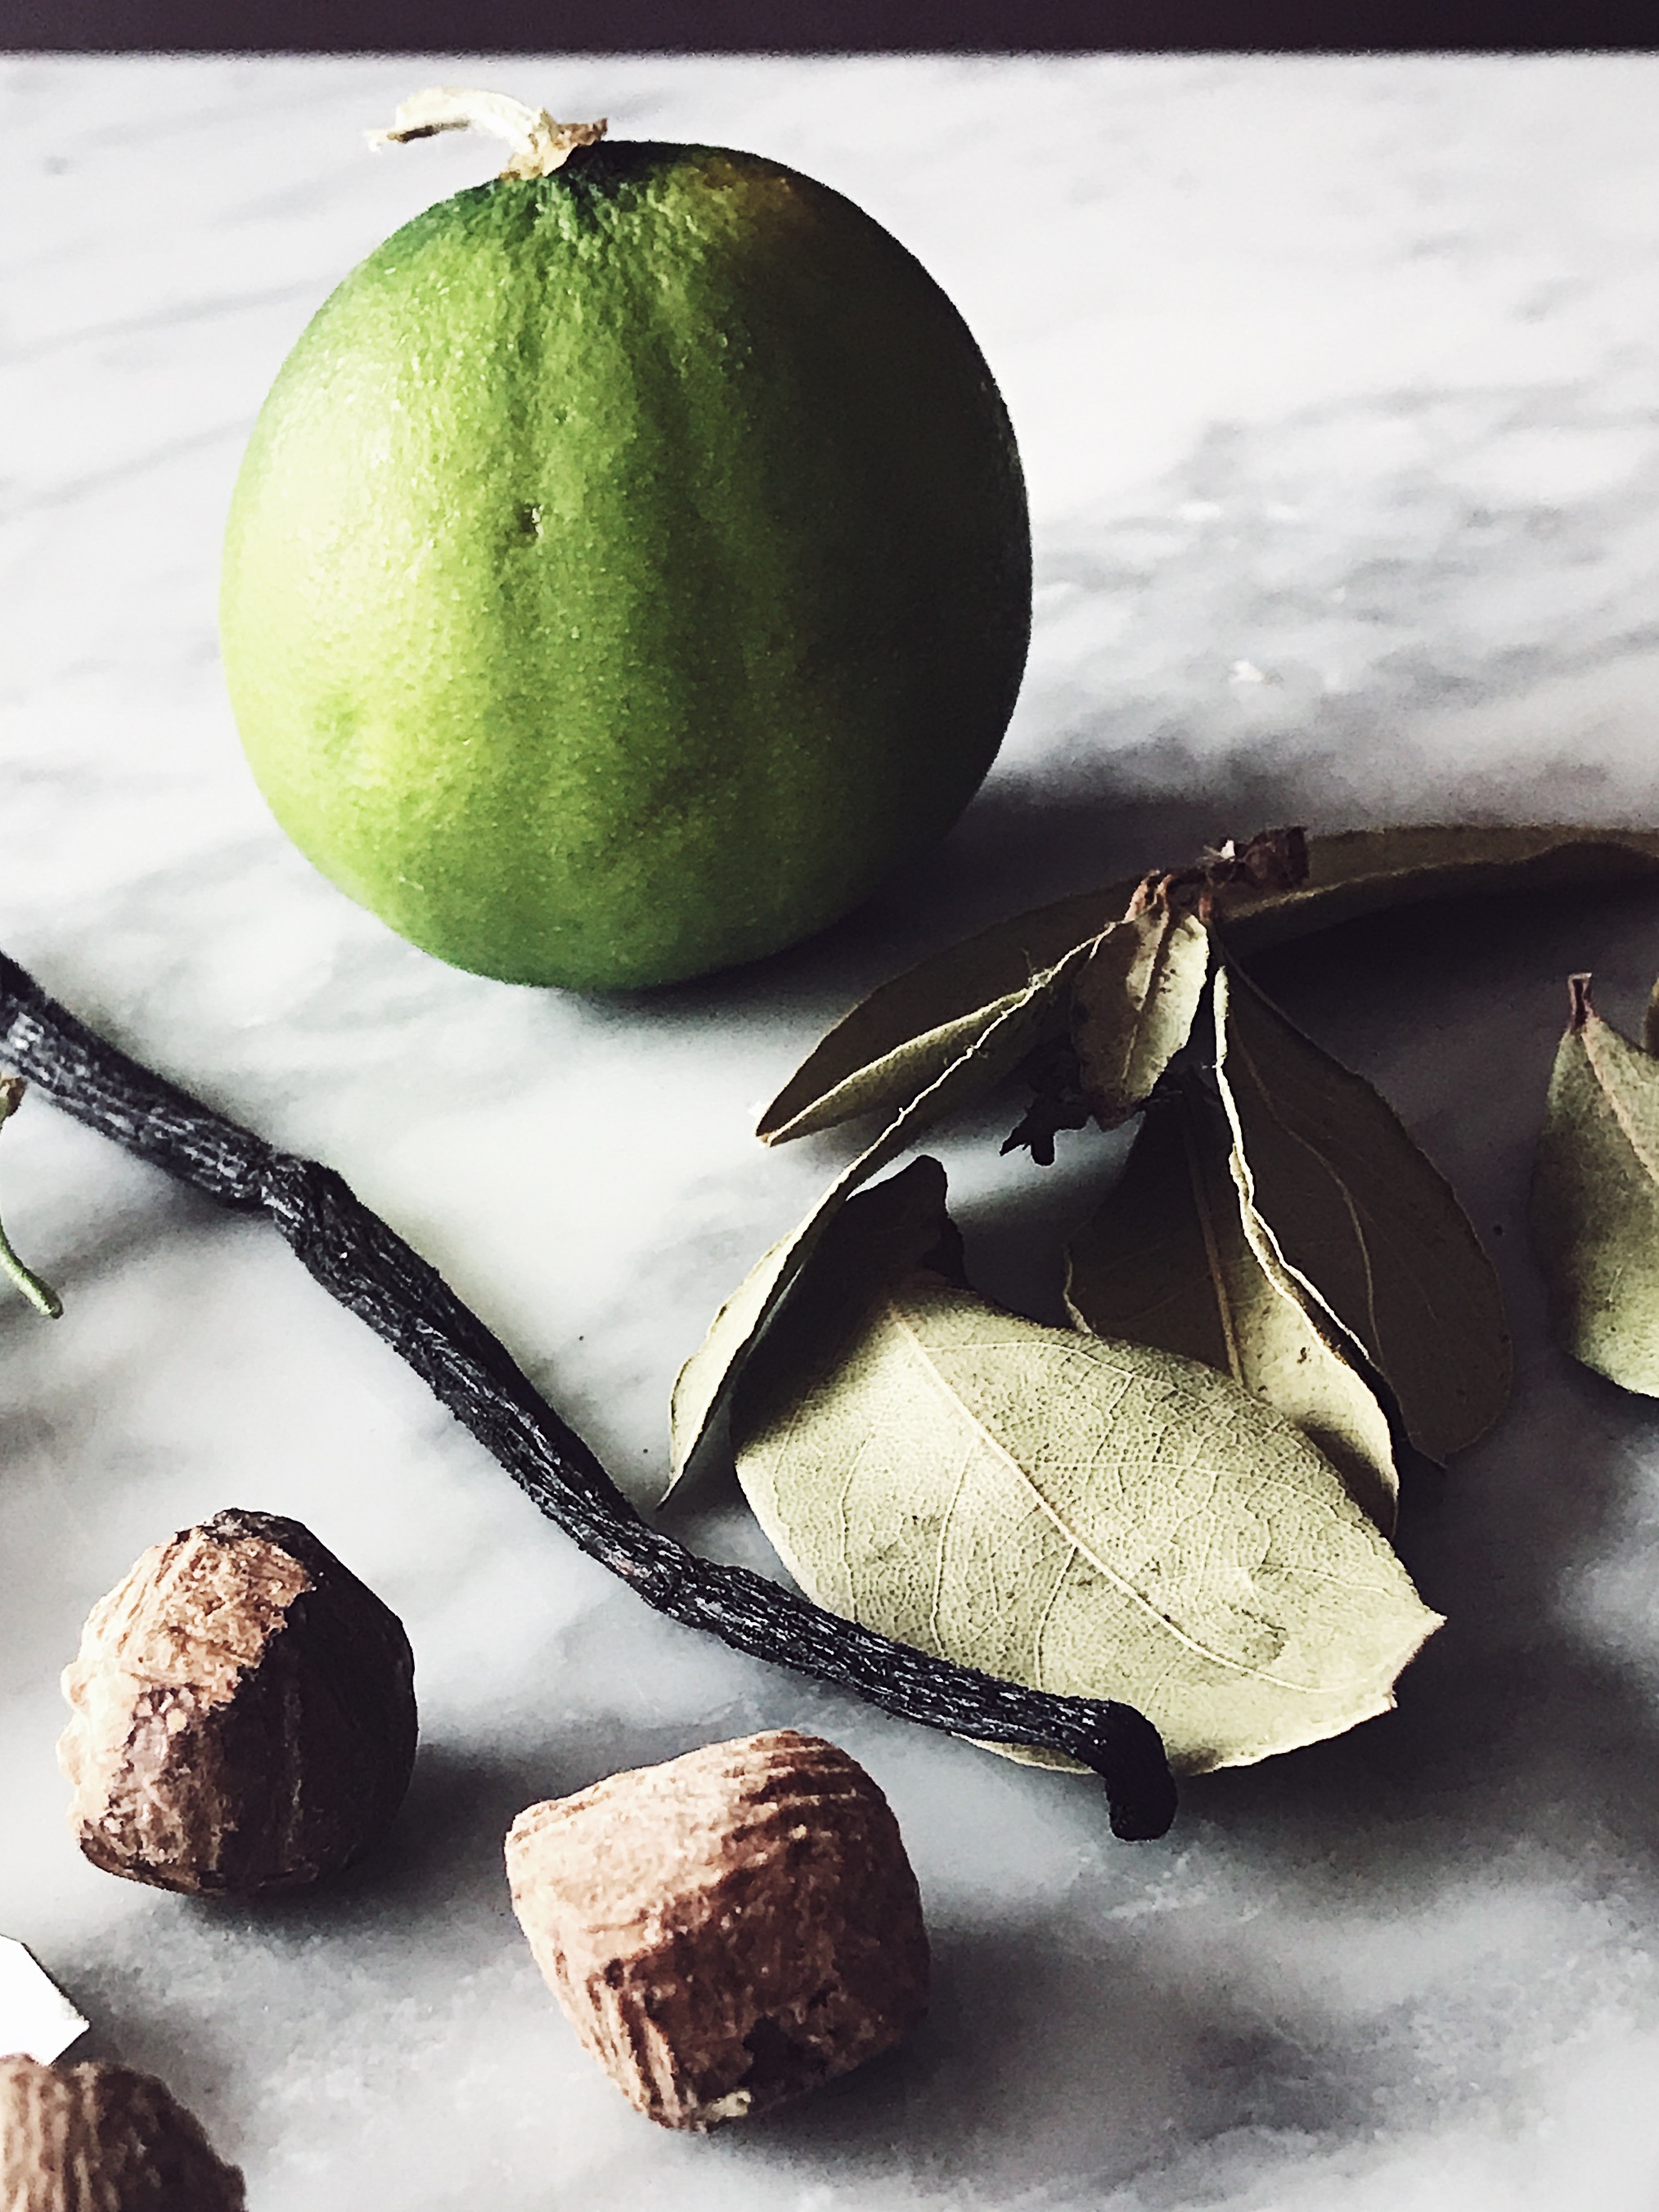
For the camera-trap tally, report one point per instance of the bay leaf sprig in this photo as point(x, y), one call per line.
point(1363, 1220)
point(899, 1038)
point(1594, 1208)
point(905, 1034)
point(1278, 1244)
point(1081, 1516)
point(1175, 1257)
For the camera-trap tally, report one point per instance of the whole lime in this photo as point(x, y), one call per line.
point(630, 567)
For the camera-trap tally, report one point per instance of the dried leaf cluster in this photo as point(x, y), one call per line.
point(1185, 1500)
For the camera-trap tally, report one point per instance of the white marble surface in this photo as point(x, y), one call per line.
point(1338, 383)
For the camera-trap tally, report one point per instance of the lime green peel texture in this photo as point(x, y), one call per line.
point(629, 569)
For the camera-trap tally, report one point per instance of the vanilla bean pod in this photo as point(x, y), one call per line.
point(369, 1269)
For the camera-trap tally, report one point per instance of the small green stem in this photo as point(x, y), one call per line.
point(40, 1294)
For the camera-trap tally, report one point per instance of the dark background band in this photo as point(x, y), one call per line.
point(826, 26)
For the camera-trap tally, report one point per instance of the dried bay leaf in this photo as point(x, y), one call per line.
point(1092, 1518)
point(905, 1034)
point(1595, 1204)
point(1135, 998)
point(907, 1031)
point(1363, 1221)
point(703, 1383)
point(1361, 871)
point(1134, 992)
point(1174, 1258)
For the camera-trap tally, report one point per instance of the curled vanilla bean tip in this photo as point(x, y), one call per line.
point(369, 1269)
point(1140, 1792)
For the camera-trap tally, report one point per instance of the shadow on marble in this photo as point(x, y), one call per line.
point(1055, 2065)
point(1061, 2065)
point(1026, 840)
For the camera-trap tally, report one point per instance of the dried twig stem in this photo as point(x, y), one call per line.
point(370, 1269)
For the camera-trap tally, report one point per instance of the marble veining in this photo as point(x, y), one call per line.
point(1338, 384)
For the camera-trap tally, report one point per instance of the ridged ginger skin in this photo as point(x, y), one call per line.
point(629, 569)
point(728, 1929)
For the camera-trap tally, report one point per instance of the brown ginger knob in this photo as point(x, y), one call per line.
point(98, 2138)
point(729, 1928)
point(244, 1713)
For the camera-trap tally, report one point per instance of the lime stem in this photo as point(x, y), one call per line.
point(540, 144)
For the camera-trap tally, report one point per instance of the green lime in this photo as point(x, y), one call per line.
point(629, 569)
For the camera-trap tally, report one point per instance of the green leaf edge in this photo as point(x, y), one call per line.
point(864, 1063)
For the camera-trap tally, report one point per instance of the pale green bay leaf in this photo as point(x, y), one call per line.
point(1094, 1519)
point(1172, 1257)
point(897, 1039)
point(900, 1038)
point(1135, 998)
point(1595, 1204)
point(702, 1386)
point(1363, 1220)
point(1359, 872)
